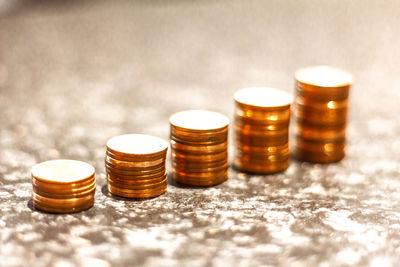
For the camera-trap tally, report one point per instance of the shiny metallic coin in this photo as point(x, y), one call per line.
point(217, 178)
point(318, 157)
point(133, 145)
point(59, 205)
point(199, 121)
point(136, 164)
point(313, 132)
point(263, 98)
point(251, 166)
point(199, 149)
point(138, 193)
point(62, 171)
point(199, 158)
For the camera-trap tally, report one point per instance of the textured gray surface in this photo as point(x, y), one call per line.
point(73, 75)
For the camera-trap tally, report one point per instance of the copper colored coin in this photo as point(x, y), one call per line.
point(199, 149)
point(196, 169)
point(136, 158)
point(137, 146)
point(318, 157)
point(189, 157)
point(137, 164)
point(62, 171)
point(148, 184)
point(187, 133)
point(134, 169)
point(324, 77)
point(270, 116)
point(199, 181)
point(62, 191)
point(302, 116)
point(142, 193)
point(198, 164)
point(267, 150)
point(323, 147)
point(257, 132)
point(260, 167)
point(263, 98)
point(136, 173)
point(320, 133)
point(199, 121)
point(260, 141)
point(62, 205)
point(321, 105)
point(199, 140)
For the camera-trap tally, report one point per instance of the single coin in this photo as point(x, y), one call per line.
point(135, 164)
point(67, 205)
point(133, 172)
point(263, 97)
point(318, 157)
point(324, 76)
point(260, 167)
point(62, 171)
point(63, 190)
point(199, 149)
point(199, 120)
point(321, 105)
point(137, 144)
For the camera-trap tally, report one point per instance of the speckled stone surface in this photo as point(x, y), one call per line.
point(73, 75)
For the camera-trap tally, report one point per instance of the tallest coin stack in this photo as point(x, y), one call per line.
point(321, 111)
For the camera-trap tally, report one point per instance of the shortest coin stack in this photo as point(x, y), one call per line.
point(135, 166)
point(199, 147)
point(63, 186)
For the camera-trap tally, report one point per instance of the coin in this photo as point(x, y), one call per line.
point(321, 113)
point(63, 186)
point(135, 166)
point(262, 129)
point(199, 147)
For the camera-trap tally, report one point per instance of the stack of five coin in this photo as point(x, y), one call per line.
point(262, 118)
point(199, 147)
point(63, 186)
point(320, 112)
point(135, 166)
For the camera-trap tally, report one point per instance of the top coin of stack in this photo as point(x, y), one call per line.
point(63, 186)
point(262, 118)
point(321, 111)
point(199, 147)
point(135, 166)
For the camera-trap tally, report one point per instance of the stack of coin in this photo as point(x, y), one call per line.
point(63, 186)
point(321, 111)
point(199, 147)
point(135, 166)
point(262, 118)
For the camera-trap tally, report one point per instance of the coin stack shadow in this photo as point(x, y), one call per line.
point(135, 166)
point(199, 147)
point(63, 186)
point(320, 113)
point(262, 117)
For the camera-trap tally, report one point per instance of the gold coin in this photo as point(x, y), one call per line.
point(199, 181)
point(195, 158)
point(149, 184)
point(136, 164)
point(131, 145)
point(257, 167)
point(138, 193)
point(135, 172)
point(62, 171)
point(59, 205)
point(318, 157)
point(199, 121)
point(320, 133)
point(201, 149)
point(263, 98)
point(62, 190)
point(321, 105)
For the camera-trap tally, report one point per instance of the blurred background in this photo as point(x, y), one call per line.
point(75, 73)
